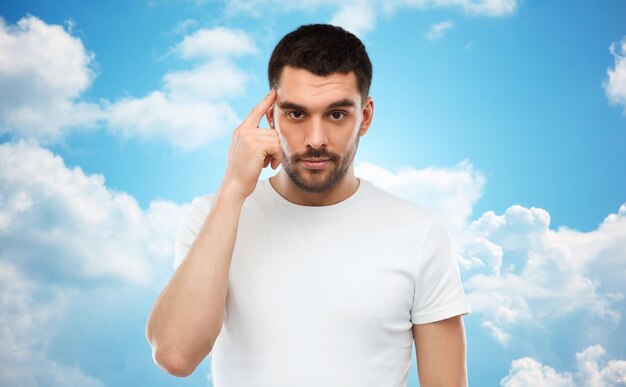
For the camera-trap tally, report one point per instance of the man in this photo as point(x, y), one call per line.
point(313, 277)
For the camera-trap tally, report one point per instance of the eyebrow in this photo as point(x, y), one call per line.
point(294, 106)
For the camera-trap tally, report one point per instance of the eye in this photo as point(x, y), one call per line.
point(295, 115)
point(337, 115)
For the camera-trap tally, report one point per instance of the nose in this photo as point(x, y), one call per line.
point(316, 134)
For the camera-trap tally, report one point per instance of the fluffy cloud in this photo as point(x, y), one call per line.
point(437, 30)
point(529, 372)
point(191, 109)
point(184, 26)
point(57, 224)
point(535, 275)
point(450, 192)
point(47, 70)
point(216, 42)
point(186, 125)
point(63, 231)
point(496, 332)
point(355, 16)
point(359, 16)
point(210, 81)
point(260, 7)
point(43, 71)
point(615, 85)
point(491, 8)
point(23, 359)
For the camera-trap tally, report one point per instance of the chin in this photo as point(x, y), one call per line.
point(317, 181)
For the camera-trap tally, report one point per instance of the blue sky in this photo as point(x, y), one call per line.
point(506, 117)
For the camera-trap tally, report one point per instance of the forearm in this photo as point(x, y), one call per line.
point(188, 314)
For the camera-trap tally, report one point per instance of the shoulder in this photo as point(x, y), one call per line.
point(394, 205)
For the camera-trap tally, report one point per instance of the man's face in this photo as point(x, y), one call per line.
point(319, 121)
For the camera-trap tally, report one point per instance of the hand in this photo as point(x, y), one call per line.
point(251, 150)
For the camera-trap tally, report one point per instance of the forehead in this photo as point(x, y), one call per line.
point(304, 88)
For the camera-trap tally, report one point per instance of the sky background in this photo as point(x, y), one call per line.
point(506, 117)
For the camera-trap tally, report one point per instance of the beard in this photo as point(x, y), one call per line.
point(319, 180)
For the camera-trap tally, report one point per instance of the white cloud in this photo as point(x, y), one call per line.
point(498, 333)
point(529, 372)
point(437, 30)
point(450, 192)
point(359, 16)
point(493, 8)
point(43, 71)
point(185, 25)
point(214, 80)
point(59, 224)
point(186, 125)
point(536, 275)
point(490, 8)
point(216, 42)
point(356, 16)
point(63, 234)
point(191, 109)
point(47, 70)
point(23, 360)
point(589, 371)
point(261, 7)
point(615, 85)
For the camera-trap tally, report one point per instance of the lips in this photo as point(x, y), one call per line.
point(315, 163)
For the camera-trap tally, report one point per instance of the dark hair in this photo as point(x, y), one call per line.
point(322, 49)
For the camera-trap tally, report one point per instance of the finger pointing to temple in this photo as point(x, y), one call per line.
point(254, 117)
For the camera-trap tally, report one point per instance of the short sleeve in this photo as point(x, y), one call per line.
point(189, 227)
point(438, 288)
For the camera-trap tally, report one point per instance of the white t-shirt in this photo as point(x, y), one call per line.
point(327, 295)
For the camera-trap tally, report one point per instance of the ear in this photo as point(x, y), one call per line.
point(367, 115)
point(269, 116)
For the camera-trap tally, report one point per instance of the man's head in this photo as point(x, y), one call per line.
point(322, 76)
point(322, 49)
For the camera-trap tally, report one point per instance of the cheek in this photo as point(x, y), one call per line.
point(286, 130)
point(349, 135)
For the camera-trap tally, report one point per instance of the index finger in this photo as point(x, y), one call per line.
point(256, 114)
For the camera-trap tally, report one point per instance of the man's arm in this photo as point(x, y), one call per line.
point(441, 353)
point(188, 314)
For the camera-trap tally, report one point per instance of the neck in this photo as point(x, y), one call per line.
point(283, 184)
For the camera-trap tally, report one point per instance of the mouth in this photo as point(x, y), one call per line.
point(315, 163)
